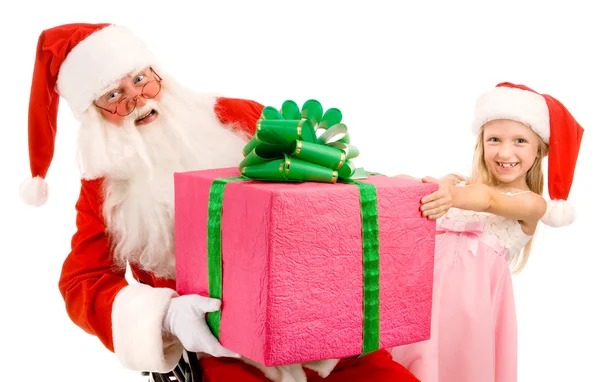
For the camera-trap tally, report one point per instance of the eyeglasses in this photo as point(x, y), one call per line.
point(126, 105)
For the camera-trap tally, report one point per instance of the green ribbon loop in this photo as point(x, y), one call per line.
point(297, 145)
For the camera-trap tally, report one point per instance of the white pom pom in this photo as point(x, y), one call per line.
point(559, 213)
point(34, 191)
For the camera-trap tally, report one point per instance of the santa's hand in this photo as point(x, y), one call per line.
point(186, 320)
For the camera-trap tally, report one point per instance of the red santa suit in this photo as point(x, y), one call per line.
point(80, 62)
point(126, 318)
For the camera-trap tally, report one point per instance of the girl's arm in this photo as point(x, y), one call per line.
point(450, 179)
point(528, 207)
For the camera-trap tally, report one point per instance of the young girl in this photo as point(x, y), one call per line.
point(489, 226)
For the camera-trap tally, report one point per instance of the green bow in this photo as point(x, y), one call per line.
point(286, 147)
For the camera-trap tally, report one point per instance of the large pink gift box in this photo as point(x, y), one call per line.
point(293, 264)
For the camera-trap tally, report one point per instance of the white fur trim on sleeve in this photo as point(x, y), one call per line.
point(137, 324)
point(516, 104)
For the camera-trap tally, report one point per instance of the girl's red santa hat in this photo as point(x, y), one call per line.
point(79, 62)
point(554, 124)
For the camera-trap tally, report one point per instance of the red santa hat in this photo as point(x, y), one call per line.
point(554, 124)
point(78, 62)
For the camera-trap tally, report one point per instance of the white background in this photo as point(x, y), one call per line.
point(405, 77)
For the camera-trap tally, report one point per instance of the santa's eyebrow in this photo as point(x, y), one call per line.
point(109, 88)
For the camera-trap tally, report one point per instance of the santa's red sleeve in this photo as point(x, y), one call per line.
point(240, 114)
point(126, 318)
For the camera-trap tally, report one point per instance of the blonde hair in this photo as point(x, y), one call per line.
point(534, 178)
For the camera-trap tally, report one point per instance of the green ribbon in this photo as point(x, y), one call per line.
point(370, 245)
point(215, 260)
point(280, 169)
point(293, 145)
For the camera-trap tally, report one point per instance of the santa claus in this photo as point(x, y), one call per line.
point(138, 127)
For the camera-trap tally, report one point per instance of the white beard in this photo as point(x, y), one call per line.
point(138, 164)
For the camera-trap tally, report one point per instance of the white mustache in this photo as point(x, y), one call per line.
point(141, 111)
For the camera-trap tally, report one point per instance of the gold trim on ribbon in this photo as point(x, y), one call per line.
point(288, 164)
point(299, 129)
point(298, 147)
point(342, 159)
point(334, 176)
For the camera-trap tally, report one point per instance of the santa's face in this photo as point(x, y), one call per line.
point(138, 160)
point(128, 94)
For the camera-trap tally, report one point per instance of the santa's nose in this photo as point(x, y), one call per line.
point(140, 101)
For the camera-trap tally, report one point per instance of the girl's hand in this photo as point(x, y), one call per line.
point(436, 204)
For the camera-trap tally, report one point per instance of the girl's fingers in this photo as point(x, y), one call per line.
point(437, 212)
point(443, 201)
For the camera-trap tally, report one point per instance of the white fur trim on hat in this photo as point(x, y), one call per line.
point(516, 104)
point(34, 191)
point(559, 213)
point(137, 324)
point(97, 63)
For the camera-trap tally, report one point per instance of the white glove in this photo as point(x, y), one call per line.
point(186, 320)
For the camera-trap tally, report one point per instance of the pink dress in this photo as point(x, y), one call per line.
point(474, 328)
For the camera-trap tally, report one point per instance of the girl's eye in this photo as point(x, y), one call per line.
point(494, 139)
point(521, 140)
